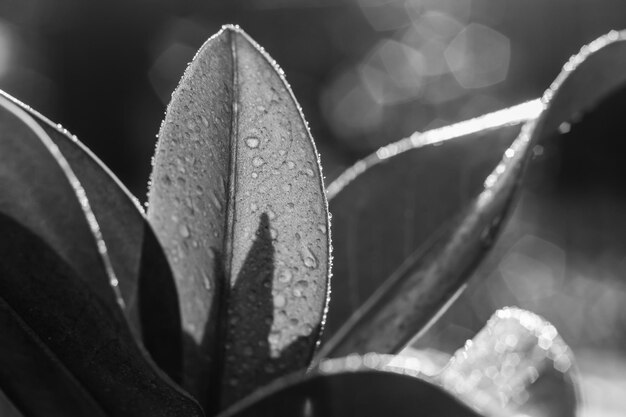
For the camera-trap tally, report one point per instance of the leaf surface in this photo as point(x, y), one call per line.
point(396, 313)
point(359, 386)
point(146, 282)
point(237, 200)
point(59, 293)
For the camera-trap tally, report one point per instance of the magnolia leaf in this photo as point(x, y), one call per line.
point(145, 279)
point(237, 199)
point(517, 363)
point(355, 385)
point(60, 294)
point(411, 298)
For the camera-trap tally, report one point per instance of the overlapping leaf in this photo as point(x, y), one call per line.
point(430, 276)
point(60, 294)
point(145, 279)
point(237, 200)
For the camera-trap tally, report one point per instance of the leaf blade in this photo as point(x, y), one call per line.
point(145, 278)
point(459, 253)
point(267, 222)
point(45, 218)
point(352, 386)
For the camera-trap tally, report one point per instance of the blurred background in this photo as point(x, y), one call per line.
point(366, 72)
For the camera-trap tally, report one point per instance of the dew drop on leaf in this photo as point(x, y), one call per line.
point(252, 142)
point(309, 259)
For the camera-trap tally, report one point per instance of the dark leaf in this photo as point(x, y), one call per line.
point(237, 200)
point(59, 292)
point(145, 279)
point(352, 386)
point(411, 297)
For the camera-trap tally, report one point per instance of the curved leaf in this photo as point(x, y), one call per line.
point(396, 313)
point(389, 215)
point(237, 200)
point(60, 290)
point(519, 363)
point(145, 279)
point(352, 386)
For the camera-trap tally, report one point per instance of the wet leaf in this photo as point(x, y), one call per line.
point(145, 279)
point(397, 312)
point(517, 363)
point(359, 386)
point(237, 200)
point(59, 294)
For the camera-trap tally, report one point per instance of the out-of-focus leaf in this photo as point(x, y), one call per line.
point(237, 200)
point(353, 386)
point(145, 279)
point(413, 295)
point(59, 293)
point(519, 363)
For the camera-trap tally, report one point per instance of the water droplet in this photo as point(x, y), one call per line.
point(252, 142)
point(255, 175)
point(205, 122)
point(273, 339)
point(253, 207)
point(167, 180)
point(286, 187)
point(291, 165)
point(309, 172)
point(273, 233)
point(280, 301)
point(285, 276)
point(322, 228)
point(183, 230)
point(270, 213)
point(261, 109)
point(257, 161)
point(191, 125)
point(309, 259)
point(282, 152)
point(207, 282)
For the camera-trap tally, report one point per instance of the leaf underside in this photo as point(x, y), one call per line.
point(237, 200)
point(59, 306)
point(395, 313)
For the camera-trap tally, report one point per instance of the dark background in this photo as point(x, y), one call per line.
point(366, 72)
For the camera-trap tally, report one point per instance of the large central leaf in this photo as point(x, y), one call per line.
point(237, 199)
